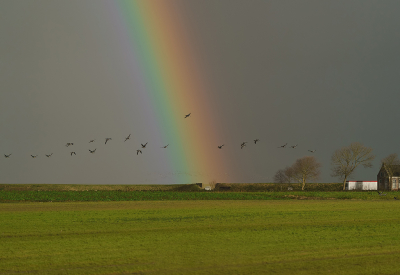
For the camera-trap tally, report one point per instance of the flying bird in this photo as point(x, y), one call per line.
point(92, 151)
point(33, 156)
point(294, 146)
point(395, 198)
point(138, 151)
point(256, 140)
point(144, 145)
point(283, 146)
point(312, 151)
point(49, 155)
point(163, 146)
point(7, 156)
point(73, 153)
point(69, 144)
point(381, 193)
point(107, 139)
point(92, 140)
point(220, 147)
point(128, 137)
point(188, 115)
point(243, 144)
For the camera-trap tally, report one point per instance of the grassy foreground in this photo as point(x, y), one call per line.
point(201, 237)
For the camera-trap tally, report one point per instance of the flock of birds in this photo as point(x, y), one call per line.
point(90, 151)
point(242, 145)
point(139, 151)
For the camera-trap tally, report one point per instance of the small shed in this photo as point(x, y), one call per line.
point(361, 185)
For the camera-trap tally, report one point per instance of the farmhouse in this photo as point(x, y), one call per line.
point(361, 185)
point(389, 177)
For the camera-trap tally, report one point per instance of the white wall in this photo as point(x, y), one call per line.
point(361, 185)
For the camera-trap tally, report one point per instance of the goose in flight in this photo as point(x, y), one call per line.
point(243, 144)
point(188, 115)
point(49, 155)
point(33, 156)
point(220, 147)
point(69, 144)
point(294, 146)
point(128, 137)
point(312, 151)
point(164, 146)
point(256, 140)
point(144, 145)
point(7, 156)
point(283, 146)
point(138, 151)
point(92, 151)
point(107, 139)
point(73, 153)
point(92, 140)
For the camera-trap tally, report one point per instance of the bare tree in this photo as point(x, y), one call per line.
point(346, 159)
point(289, 173)
point(284, 175)
point(392, 165)
point(280, 176)
point(306, 168)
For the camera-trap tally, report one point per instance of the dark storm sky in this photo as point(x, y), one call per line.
point(321, 74)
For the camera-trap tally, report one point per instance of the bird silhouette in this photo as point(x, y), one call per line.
point(256, 140)
point(92, 151)
point(138, 151)
point(107, 139)
point(7, 156)
point(73, 153)
point(395, 198)
point(283, 146)
point(294, 146)
point(128, 137)
point(69, 144)
point(220, 147)
point(312, 151)
point(163, 146)
point(33, 156)
point(381, 193)
point(144, 145)
point(243, 144)
point(188, 115)
point(92, 140)
point(49, 155)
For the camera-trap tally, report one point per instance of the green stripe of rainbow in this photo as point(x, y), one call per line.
point(174, 83)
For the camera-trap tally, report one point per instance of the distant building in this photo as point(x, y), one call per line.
point(361, 185)
point(385, 182)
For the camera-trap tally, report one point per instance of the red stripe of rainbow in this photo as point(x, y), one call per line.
point(173, 81)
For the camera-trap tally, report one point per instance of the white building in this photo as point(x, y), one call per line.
point(361, 185)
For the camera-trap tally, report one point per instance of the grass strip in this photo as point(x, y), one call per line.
point(113, 195)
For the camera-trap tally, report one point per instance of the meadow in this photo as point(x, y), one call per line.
point(267, 191)
point(201, 237)
point(112, 195)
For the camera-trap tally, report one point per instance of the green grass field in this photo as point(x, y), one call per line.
point(113, 195)
point(201, 237)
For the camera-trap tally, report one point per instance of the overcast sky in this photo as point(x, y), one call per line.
point(320, 74)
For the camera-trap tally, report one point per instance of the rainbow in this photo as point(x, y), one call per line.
point(170, 75)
